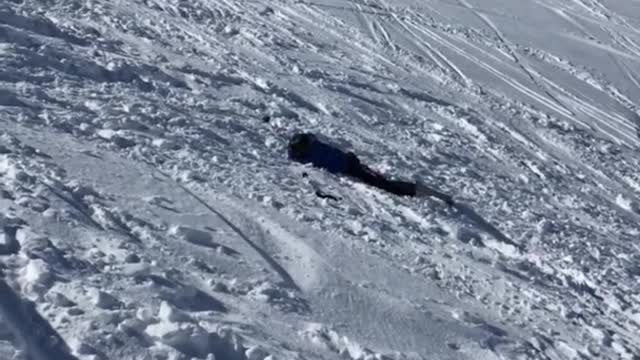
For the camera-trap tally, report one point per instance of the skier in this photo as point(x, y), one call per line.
point(307, 148)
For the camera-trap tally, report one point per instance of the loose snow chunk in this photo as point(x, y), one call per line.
point(166, 332)
point(567, 350)
point(596, 333)
point(621, 350)
point(106, 134)
point(329, 339)
point(81, 348)
point(626, 204)
point(59, 299)
point(36, 277)
point(544, 227)
point(322, 336)
point(185, 337)
point(191, 235)
point(170, 314)
point(80, 190)
point(114, 137)
point(13, 172)
point(132, 258)
point(103, 300)
point(262, 83)
point(8, 243)
point(145, 315)
point(268, 292)
point(467, 235)
point(220, 287)
point(165, 144)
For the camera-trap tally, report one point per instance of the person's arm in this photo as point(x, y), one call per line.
point(423, 190)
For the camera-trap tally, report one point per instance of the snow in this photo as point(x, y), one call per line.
point(148, 210)
point(102, 300)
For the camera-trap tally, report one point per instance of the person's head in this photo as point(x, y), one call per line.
point(300, 145)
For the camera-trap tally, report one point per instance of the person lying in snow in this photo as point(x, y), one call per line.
point(306, 148)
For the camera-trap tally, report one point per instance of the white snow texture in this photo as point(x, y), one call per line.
point(148, 209)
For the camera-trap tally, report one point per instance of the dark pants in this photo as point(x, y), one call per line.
point(363, 173)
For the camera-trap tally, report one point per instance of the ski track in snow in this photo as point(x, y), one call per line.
point(147, 211)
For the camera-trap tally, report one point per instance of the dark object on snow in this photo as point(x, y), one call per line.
point(308, 149)
point(323, 195)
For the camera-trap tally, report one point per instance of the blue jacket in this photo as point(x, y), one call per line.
point(308, 149)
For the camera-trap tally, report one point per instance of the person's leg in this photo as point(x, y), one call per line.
point(402, 188)
point(370, 177)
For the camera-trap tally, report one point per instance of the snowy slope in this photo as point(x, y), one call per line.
point(148, 211)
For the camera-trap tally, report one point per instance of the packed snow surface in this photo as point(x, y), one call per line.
point(148, 210)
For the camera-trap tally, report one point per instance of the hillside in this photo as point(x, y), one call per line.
point(148, 209)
